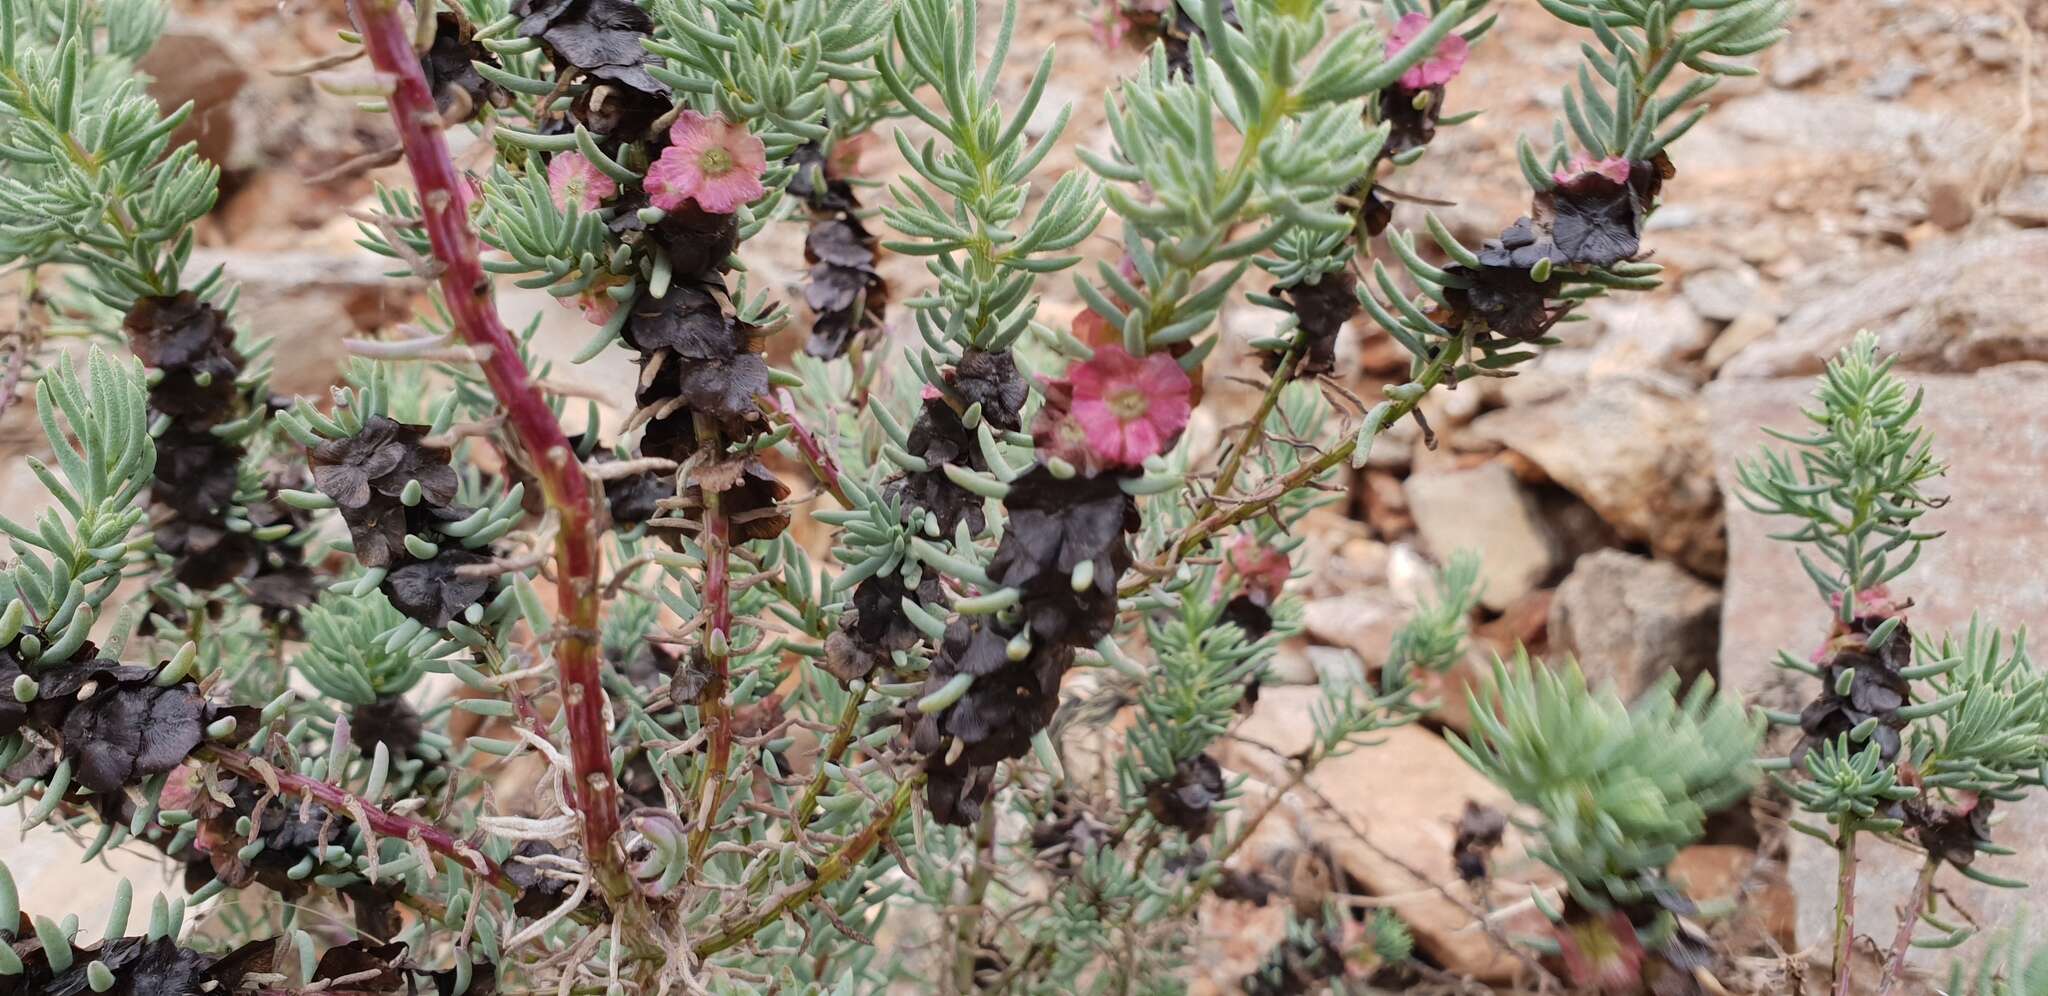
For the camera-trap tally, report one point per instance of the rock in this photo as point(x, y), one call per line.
point(1722, 295)
point(1579, 529)
point(1713, 872)
point(1523, 624)
point(1632, 620)
point(279, 210)
point(310, 302)
point(1484, 509)
point(1291, 665)
point(1771, 132)
point(1673, 217)
point(1448, 693)
point(1950, 204)
point(1749, 327)
point(1410, 575)
point(1363, 622)
point(1386, 504)
point(1337, 667)
point(1987, 563)
point(1792, 68)
point(192, 61)
point(1397, 805)
point(2026, 203)
point(1635, 449)
point(1952, 306)
point(52, 875)
point(1989, 40)
point(1651, 332)
point(1895, 80)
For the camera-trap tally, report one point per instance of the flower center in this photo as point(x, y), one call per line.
point(1128, 403)
point(715, 162)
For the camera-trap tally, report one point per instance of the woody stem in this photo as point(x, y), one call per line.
point(1845, 906)
point(1916, 904)
point(714, 713)
point(344, 803)
point(387, 31)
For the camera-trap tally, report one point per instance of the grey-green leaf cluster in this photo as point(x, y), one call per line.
point(70, 558)
point(1855, 480)
point(1618, 787)
point(86, 164)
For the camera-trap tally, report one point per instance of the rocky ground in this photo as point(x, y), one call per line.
point(1881, 172)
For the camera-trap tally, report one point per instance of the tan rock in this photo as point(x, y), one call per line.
point(1632, 620)
point(1485, 509)
point(1650, 332)
point(310, 302)
point(1749, 327)
point(193, 62)
point(1398, 803)
point(1522, 624)
point(1386, 504)
point(1363, 622)
point(1712, 872)
point(1635, 449)
point(1956, 304)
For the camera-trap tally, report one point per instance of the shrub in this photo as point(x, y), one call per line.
point(755, 763)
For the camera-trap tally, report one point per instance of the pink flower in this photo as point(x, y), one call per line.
point(1128, 407)
point(1873, 601)
point(1613, 168)
point(1109, 25)
point(1091, 328)
point(1602, 952)
point(1436, 68)
point(598, 305)
point(572, 178)
point(1263, 569)
point(709, 160)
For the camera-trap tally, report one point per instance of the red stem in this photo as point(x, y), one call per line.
point(713, 712)
point(1916, 905)
point(345, 803)
point(1845, 908)
point(815, 455)
point(387, 36)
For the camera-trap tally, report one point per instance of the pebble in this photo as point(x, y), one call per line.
point(1797, 67)
point(1895, 80)
point(1721, 295)
point(2026, 203)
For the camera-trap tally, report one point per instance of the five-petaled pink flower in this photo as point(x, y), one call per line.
point(709, 160)
point(1614, 168)
point(1129, 407)
point(1436, 68)
point(573, 179)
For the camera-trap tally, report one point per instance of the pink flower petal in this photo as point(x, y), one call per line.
point(574, 179)
point(1104, 429)
point(1141, 439)
point(1614, 168)
point(1169, 415)
point(728, 193)
point(671, 180)
point(1436, 68)
point(1102, 389)
point(692, 132)
point(1407, 29)
point(681, 172)
point(599, 308)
